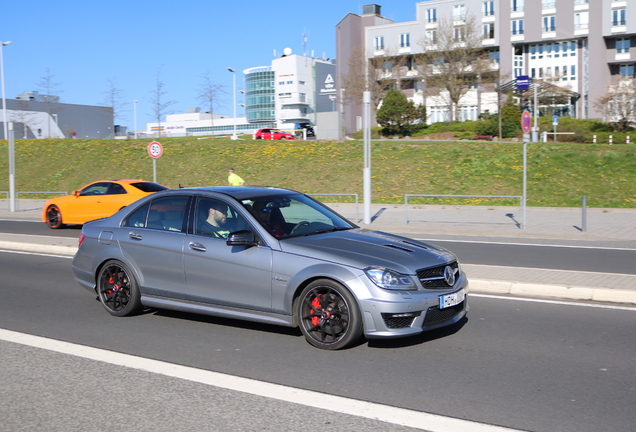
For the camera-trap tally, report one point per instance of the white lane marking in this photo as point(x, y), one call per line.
point(374, 411)
point(556, 302)
point(524, 244)
point(35, 253)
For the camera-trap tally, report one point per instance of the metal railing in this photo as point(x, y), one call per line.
point(520, 198)
point(327, 194)
point(17, 196)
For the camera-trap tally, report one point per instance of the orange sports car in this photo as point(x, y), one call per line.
point(95, 200)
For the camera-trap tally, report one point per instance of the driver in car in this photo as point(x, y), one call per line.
point(213, 216)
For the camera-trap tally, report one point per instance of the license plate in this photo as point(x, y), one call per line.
point(450, 300)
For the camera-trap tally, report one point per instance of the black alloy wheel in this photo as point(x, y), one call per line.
point(117, 289)
point(329, 315)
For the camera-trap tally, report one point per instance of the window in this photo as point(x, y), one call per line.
point(581, 20)
point(494, 56)
point(378, 43)
point(533, 73)
point(301, 82)
point(459, 12)
point(627, 70)
point(548, 4)
point(459, 33)
point(431, 36)
point(431, 15)
point(517, 5)
point(214, 218)
point(489, 31)
point(549, 23)
point(281, 83)
point(573, 71)
point(618, 17)
point(405, 40)
point(164, 214)
point(517, 27)
point(489, 8)
point(622, 45)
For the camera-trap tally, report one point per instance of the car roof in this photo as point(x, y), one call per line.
point(240, 192)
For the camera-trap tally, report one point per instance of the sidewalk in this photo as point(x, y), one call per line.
point(613, 228)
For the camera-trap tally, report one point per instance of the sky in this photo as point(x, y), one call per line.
point(84, 46)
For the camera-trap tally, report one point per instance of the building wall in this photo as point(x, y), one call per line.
point(589, 25)
point(58, 120)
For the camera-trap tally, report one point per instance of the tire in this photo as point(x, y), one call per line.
point(328, 315)
point(283, 138)
point(258, 137)
point(54, 217)
point(117, 289)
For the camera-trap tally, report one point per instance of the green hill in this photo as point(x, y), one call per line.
point(558, 174)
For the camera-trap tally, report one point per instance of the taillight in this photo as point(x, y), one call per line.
point(82, 237)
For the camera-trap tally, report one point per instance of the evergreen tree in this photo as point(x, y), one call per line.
point(398, 115)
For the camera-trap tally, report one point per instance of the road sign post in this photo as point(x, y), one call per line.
point(526, 125)
point(155, 150)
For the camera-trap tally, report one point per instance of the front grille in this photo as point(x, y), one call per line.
point(435, 315)
point(398, 322)
point(434, 277)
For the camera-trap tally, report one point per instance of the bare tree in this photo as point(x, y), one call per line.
point(453, 61)
point(159, 106)
point(363, 75)
point(23, 117)
point(209, 93)
point(618, 105)
point(51, 95)
point(113, 98)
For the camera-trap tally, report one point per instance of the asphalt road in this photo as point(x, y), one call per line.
point(544, 256)
point(540, 367)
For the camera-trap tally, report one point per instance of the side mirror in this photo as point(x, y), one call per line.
point(241, 238)
point(76, 193)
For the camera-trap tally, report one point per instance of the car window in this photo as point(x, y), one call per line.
point(96, 189)
point(116, 189)
point(294, 215)
point(165, 213)
point(215, 218)
point(149, 186)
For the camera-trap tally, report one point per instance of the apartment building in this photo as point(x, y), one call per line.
point(582, 46)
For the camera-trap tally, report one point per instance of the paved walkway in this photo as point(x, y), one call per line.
point(613, 228)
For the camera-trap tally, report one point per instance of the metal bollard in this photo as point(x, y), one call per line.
point(584, 222)
point(594, 139)
point(610, 140)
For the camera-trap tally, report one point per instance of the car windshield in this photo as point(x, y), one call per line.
point(294, 215)
point(148, 186)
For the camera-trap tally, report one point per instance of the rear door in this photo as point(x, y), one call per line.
point(152, 239)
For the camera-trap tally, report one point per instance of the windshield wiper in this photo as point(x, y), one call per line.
point(332, 229)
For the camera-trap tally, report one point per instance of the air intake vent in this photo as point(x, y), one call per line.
point(371, 9)
point(402, 248)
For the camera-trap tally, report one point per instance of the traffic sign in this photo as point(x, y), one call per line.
point(525, 122)
point(555, 120)
point(155, 150)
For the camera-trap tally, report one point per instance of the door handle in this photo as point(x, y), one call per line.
point(197, 246)
point(135, 236)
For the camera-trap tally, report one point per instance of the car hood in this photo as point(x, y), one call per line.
point(362, 248)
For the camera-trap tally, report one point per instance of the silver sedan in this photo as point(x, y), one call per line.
point(268, 255)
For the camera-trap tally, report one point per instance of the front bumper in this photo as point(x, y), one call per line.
point(411, 313)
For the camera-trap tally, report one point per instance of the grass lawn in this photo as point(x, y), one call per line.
point(558, 174)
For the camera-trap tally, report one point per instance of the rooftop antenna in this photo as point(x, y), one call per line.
point(274, 52)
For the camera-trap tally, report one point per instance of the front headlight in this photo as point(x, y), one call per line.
point(390, 279)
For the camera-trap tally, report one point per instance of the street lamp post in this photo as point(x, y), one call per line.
point(233, 99)
point(135, 117)
point(4, 101)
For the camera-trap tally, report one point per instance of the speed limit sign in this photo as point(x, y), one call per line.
point(155, 150)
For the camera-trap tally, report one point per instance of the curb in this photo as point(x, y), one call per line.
point(552, 291)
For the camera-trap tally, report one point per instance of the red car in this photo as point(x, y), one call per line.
point(272, 134)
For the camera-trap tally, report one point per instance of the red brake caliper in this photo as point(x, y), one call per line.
point(112, 282)
point(315, 320)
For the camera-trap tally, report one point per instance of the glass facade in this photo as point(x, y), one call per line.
point(260, 104)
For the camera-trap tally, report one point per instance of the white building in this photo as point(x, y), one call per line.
point(294, 90)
